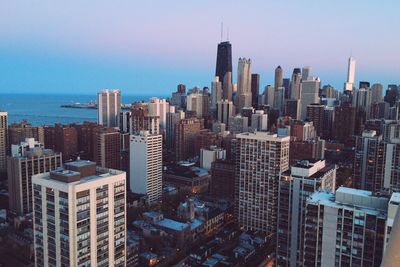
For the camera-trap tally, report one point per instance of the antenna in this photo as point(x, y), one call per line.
point(222, 29)
point(227, 35)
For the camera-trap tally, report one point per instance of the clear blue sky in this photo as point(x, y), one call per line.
point(148, 47)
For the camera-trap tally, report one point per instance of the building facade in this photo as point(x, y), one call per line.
point(260, 158)
point(80, 216)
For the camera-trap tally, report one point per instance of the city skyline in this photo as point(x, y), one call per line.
point(50, 53)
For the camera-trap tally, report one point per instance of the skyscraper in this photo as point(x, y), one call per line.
point(260, 158)
point(173, 117)
point(315, 113)
point(107, 148)
point(344, 229)
point(216, 93)
point(306, 73)
point(376, 93)
point(278, 77)
point(255, 89)
point(309, 94)
point(143, 121)
point(31, 159)
point(146, 165)
point(295, 186)
point(351, 73)
point(3, 142)
point(224, 61)
point(295, 84)
point(225, 109)
point(108, 107)
point(185, 134)
point(79, 216)
point(279, 99)
point(159, 107)
point(344, 123)
point(374, 163)
point(244, 84)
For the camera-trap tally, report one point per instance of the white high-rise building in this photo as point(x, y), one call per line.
point(146, 165)
point(79, 216)
point(259, 121)
point(3, 141)
point(308, 95)
point(159, 107)
point(225, 109)
point(351, 74)
point(244, 84)
point(345, 229)
point(295, 186)
point(306, 73)
point(108, 107)
point(362, 99)
point(216, 93)
point(195, 102)
point(260, 158)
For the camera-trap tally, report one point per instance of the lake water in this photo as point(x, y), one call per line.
point(46, 110)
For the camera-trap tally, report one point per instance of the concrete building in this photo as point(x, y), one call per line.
point(209, 155)
point(255, 89)
point(375, 162)
point(260, 159)
point(159, 108)
point(259, 121)
point(173, 117)
point(310, 149)
point(306, 73)
point(278, 77)
point(216, 93)
point(223, 180)
point(344, 229)
point(225, 109)
point(125, 119)
point(361, 100)
point(143, 121)
point(351, 73)
point(295, 84)
point(108, 107)
point(195, 103)
point(393, 208)
point(238, 124)
point(295, 186)
point(292, 108)
point(3, 141)
point(19, 150)
point(243, 95)
point(315, 113)
point(376, 93)
point(107, 148)
point(188, 178)
point(185, 135)
point(146, 165)
point(17, 132)
point(80, 216)
point(62, 138)
point(309, 95)
point(344, 123)
point(279, 99)
point(29, 158)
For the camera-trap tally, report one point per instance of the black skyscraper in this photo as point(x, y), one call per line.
point(224, 60)
point(255, 89)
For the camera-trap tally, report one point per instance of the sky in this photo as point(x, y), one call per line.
point(148, 47)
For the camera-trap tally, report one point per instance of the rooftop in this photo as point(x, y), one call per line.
point(171, 224)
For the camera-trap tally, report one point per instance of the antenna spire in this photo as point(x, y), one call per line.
point(222, 29)
point(227, 35)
